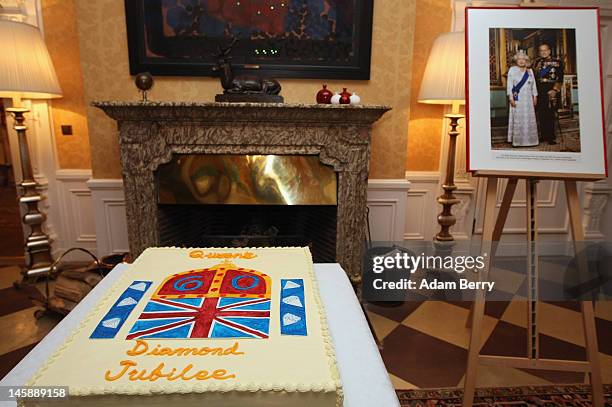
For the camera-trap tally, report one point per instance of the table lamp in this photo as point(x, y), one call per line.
point(444, 83)
point(26, 71)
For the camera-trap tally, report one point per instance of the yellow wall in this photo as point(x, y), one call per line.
point(432, 18)
point(61, 37)
point(104, 60)
point(88, 44)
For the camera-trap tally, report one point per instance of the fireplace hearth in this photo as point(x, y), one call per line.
point(151, 134)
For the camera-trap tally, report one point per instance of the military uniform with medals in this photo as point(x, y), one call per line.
point(549, 76)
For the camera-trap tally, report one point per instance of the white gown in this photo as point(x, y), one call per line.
point(522, 125)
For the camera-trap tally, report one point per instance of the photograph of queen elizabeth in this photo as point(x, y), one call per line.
point(523, 97)
point(534, 89)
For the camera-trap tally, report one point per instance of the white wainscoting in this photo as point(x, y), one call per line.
point(108, 202)
point(399, 209)
point(76, 227)
point(388, 206)
point(387, 200)
point(422, 208)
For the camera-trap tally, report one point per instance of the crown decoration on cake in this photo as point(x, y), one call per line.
point(222, 280)
point(223, 301)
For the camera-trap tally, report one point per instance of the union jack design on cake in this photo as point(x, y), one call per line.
point(220, 302)
point(203, 318)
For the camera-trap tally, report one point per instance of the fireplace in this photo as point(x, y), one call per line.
point(332, 139)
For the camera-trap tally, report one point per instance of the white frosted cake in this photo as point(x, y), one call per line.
point(203, 327)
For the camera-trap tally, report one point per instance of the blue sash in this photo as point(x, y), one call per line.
point(544, 71)
point(517, 88)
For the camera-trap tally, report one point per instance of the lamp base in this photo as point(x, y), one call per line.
point(446, 219)
point(38, 243)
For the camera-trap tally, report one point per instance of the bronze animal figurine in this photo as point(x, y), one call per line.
point(243, 88)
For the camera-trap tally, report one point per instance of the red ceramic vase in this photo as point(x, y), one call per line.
point(345, 97)
point(324, 95)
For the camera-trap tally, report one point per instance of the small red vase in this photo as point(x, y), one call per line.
point(345, 97)
point(324, 95)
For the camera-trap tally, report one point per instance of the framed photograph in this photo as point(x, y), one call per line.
point(328, 39)
point(540, 113)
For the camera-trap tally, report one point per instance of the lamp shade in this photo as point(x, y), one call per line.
point(444, 78)
point(26, 70)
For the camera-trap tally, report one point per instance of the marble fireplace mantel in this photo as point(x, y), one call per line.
point(150, 133)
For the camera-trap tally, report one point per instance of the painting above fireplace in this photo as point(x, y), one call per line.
point(277, 38)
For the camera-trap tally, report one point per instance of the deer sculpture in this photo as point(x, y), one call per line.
point(241, 84)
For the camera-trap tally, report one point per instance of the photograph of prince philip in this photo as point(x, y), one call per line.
point(534, 90)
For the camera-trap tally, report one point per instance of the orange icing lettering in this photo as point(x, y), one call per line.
point(158, 373)
point(135, 375)
point(232, 350)
point(142, 348)
point(182, 374)
point(200, 254)
point(196, 254)
point(139, 348)
point(126, 365)
point(222, 374)
point(165, 351)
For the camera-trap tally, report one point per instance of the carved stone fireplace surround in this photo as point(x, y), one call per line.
point(150, 133)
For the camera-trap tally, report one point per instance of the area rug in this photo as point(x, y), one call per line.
point(562, 395)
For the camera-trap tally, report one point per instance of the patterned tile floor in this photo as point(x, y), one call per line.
point(425, 343)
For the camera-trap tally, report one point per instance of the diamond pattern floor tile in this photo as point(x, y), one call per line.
point(433, 314)
point(423, 360)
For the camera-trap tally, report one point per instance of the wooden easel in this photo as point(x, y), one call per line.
point(492, 230)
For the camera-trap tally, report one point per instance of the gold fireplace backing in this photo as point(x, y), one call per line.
point(242, 179)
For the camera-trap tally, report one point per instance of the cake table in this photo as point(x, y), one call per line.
point(364, 377)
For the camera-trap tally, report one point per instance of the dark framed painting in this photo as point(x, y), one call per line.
point(328, 39)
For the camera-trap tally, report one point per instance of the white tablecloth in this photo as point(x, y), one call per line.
point(363, 373)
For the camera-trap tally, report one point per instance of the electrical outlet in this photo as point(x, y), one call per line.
point(66, 130)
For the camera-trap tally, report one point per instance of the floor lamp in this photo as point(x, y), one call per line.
point(26, 72)
point(444, 83)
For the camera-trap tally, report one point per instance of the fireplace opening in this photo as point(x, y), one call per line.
point(250, 226)
point(244, 179)
point(233, 200)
